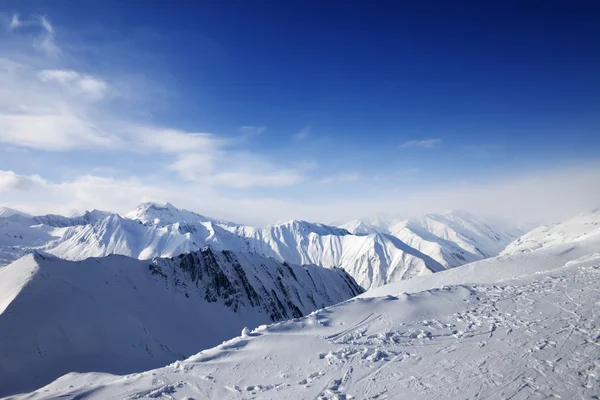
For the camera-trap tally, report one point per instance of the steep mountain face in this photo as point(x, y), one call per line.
point(574, 230)
point(118, 314)
point(372, 260)
point(452, 239)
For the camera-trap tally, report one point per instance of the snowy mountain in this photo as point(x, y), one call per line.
point(19, 234)
point(518, 326)
point(452, 239)
point(6, 212)
point(161, 215)
point(374, 252)
point(372, 260)
point(153, 230)
point(118, 314)
point(573, 230)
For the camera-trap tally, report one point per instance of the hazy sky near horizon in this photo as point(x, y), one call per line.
point(266, 111)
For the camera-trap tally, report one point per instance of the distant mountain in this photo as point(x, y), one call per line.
point(372, 260)
point(161, 215)
point(452, 239)
point(19, 234)
point(579, 228)
point(154, 230)
point(374, 253)
point(118, 314)
point(6, 212)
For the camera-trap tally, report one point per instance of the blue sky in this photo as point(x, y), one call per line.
point(264, 111)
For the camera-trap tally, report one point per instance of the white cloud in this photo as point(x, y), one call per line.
point(173, 141)
point(9, 180)
point(303, 134)
point(47, 109)
point(51, 132)
point(86, 85)
point(425, 143)
point(35, 115)
point(210, 160)
point(233, 169)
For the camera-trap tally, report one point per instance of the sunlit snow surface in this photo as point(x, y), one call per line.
point(534, 337)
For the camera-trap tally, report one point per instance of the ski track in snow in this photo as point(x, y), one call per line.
point(536, 337)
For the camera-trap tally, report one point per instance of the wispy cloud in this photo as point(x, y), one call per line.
point(424, 143)
point(35, 115)
point(45, 37)
point(87, 85)
point(302, 134)
point(15, 22)
point(46, 25)
point(58, 109)
point(58, 132)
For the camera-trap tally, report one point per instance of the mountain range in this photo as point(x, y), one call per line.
point(520, 325)
point(373, 255)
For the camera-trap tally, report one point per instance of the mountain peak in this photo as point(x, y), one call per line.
point(6, 212)
point(162, 214)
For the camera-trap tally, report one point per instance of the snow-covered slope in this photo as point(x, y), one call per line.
point(118, 314)
point(529, 329)
point(573, 230)
point(452, 239)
